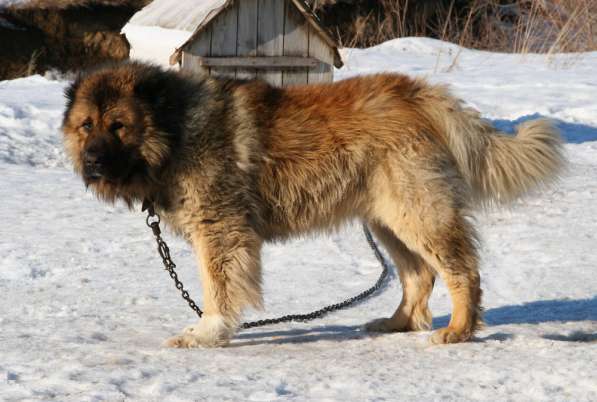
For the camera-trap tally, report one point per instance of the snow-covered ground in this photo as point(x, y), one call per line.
point(85, 304)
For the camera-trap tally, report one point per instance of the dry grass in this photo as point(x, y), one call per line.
point(521, 26)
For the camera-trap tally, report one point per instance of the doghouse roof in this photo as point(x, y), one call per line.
point(210, 9)
point(63, 4)
point(184, 15)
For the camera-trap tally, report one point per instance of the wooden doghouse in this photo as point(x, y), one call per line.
point(280, 41)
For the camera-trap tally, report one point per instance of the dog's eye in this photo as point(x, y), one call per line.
point(116, 126)
point(87, 125)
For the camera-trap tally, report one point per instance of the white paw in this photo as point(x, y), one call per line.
point(211, 331)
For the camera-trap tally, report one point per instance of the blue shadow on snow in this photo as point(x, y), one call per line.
point(537, 312)
point(573, 133)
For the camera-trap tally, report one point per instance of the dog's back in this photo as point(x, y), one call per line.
point(322, 143)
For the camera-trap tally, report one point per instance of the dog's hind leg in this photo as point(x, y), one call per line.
point(423, 201)
point(417, 279)
point(229, 256)
point(446, 242)
point(452, 251)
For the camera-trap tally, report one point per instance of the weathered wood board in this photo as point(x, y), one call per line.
point(201, 47)
point(296, 43)
point(268, 62)
point(247, 35)
point(320, 50)
point(270, 38)
point(223, 38)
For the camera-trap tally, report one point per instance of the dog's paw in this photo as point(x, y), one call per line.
point(182, 341)
point(384, 325)
point(449, 335)
point(211, 331)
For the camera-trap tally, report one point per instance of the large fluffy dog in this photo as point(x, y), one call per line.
point(230, 164)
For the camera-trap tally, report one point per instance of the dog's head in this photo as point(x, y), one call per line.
point(120, 127)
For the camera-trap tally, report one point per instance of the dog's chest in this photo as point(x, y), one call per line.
point(179, 217)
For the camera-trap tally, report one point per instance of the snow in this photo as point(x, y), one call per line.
point(10, 3)
point(86, 304)
point(185, 15)
point(30, 118)
point(154, 44)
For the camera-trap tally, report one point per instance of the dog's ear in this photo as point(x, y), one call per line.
point(167, 94)
point(70, 93)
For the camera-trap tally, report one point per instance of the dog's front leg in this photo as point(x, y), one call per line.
point(229, 256)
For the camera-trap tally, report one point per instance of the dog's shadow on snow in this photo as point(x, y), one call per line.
point(573, 133)
point(536, 312)
point(301, 335)
point(528, 313)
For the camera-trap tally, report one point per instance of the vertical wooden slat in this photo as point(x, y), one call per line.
point(223, 38)
point(191, 62)
point(270, 36)
point(296, 43)
point(247, 34)
point(200, 47)
point(322, 51)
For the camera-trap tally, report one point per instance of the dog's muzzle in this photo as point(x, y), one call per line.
point(93, 165)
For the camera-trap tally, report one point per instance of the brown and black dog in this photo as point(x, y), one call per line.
point(231, 164)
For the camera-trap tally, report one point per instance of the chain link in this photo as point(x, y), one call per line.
point(153, 221)
point(169, 265)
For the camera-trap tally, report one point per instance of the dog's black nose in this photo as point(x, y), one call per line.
point(92, 159)
point(93, 163)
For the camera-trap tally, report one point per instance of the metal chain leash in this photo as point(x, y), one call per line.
point(338, 306)
point(153, 221)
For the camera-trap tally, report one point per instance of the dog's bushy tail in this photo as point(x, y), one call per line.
point(498, 167)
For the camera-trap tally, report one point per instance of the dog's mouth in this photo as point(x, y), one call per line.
point(93, 176)
point(126, 174)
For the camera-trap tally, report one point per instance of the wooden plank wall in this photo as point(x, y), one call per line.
point(270, 38)
point(320, 50)
point(247, 34)
point(296, 43)
point(201, 47)
point(223, 38)
point(262, 28)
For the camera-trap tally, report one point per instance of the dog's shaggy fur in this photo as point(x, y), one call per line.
point(231, 164)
